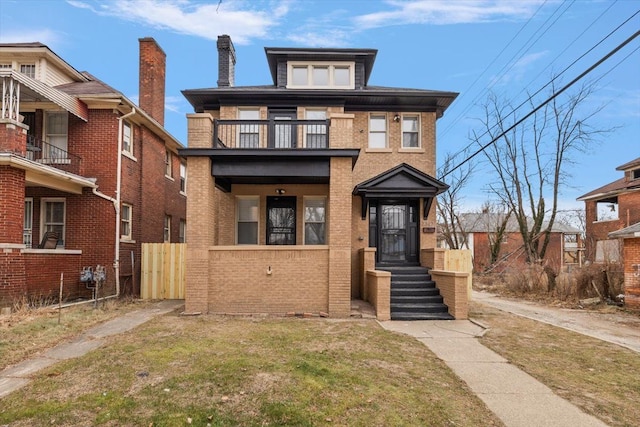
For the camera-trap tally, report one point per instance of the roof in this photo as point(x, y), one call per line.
point(627, 232)
point(93, 86)
point(478, 222)
point(400, 181)
point(633, 164)
point(611, 190)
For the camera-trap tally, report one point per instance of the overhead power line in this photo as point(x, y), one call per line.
point(551, 98)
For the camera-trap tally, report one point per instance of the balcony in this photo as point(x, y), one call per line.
point(48, 154)
point(271, 134)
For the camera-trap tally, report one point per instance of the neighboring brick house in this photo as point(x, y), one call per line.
point(295, 183)
point(83, 165)
point(613, 226)
point(564, 249)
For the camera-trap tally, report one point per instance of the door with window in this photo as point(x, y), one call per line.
point(282, 135)
point(281, 220)
point(394, 231)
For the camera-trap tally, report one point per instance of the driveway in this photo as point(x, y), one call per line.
point(618, 328)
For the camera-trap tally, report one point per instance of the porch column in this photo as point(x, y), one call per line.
point(340, 199)
point(12, 186)
point(201, 215)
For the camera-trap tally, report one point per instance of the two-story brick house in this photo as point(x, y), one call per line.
point(294, 185)
point(86, 175)
point(613, 226)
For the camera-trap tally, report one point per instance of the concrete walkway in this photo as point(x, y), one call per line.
point(515, 397)
point(17, 376)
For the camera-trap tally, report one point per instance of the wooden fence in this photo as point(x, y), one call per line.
point(163, 271)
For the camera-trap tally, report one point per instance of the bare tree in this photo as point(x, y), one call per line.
point(530, 160)
point(496, 218)
point(448, 205)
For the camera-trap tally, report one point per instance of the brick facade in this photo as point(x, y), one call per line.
point(632, 273)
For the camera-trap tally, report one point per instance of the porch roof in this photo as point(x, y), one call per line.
point(630, 232)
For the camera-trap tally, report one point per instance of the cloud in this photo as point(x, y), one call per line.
point(174, 104)
point(517, 71)
point(446, 12)
point(242, 20)
point(22, 35)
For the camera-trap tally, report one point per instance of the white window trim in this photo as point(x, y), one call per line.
point(29, 64)
point(419, 147)
point(239, 129)
point(43, 203)
point(25, 230)
point(166, 229)
point(326, 219)
point(46, 136)
point(331, 65)
point(128, 153)
point(183, 166)
point(386, 132)
point(168, 164)
point(182, 231)
point(237, 220)
point(326, 114)
point(127, 237)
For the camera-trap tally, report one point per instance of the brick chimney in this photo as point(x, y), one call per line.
point(226, 61)
point(152, 78)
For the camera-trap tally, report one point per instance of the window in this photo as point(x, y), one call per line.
point(27, 238)
point(53, 218)
point(247, 209)
point(182, 232)
point(249, 133)
point(410, 132)
point(127, 144)
point(56, 138)
point(125, 221)
point(377, 131)
point(316, 136)
point(183, 177)
point(5, 66)
point(281, 220)
point(167, 163)
point(321, 75)
point(167, 228)
point(635, 174)
point(315, 221)
point(29, 70)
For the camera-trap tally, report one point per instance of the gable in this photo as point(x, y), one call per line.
point(400, 181)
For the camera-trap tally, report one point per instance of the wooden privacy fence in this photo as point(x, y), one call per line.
point(459, 260)
point(163, 271)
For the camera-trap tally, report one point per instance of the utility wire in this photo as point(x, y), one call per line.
point(552, 97)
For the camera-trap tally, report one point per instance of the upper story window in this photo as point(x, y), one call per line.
point(127, 141)
point(410, 131)
point(167, 163)
point(57, 124)
point(316, 135)
point(182, 232)
point(125, 221)
point(5, 66)
point(377, 131)
point(167, 228)
point(635, 174)
point(321, 75)
point(249, 134)
point(29, 70)
point(183, 177)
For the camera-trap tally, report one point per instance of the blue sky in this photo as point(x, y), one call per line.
point(471, 47)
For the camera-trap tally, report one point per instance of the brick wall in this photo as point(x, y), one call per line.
point(152, 78)
point(632, 273)
point(453, 288)
point(12, 275)
point(12, 182)
point(45, 282)
point(13, 137)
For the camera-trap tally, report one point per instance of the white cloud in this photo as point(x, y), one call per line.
point(445, 12)
point(174, 104)
point(42, 35)
point(517, 71)
point(240, 19)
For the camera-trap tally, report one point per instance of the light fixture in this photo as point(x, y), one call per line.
point(280, 191)
point(396, 117)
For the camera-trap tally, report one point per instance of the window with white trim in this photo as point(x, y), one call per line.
point(57, 129)
point(182, 231)
point(53, 217)
point(249, 134)
point(321, 75)
point(167, 163)
point(126, 212)
point(247, 211)
point(183, 177)
point(410, 131)
point(127, 140)
point(29, 70)
point(167, 228)
point(5, 66)
point(377, 130)
point(316, 135)
point(27, 230)
point(315, 218)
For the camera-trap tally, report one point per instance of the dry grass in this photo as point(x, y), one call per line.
point(599, 377)
point(223, 371)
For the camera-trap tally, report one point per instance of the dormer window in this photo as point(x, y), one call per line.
point(321, 75)
point(29, 70)
point(635, 174)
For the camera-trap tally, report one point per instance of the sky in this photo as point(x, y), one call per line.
point(473, 47)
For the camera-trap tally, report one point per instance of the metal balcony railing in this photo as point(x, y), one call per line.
point(48, 154)
point(271, 134)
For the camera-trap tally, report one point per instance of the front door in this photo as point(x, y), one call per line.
point(282, 135)
point(281, 220)
point(396, 232)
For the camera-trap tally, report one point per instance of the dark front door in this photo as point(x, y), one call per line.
point(282, 135)
point(281, 220)
point(396, 232)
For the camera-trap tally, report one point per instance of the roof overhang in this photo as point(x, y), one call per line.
point(34, 90)
point(631, 232)
point(401, 182)
point(39, 175)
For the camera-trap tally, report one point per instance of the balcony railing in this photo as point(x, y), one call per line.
point(48, 154)
point(271, 134)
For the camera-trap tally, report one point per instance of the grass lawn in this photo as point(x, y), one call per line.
point(601, 378)
point(226, 371)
